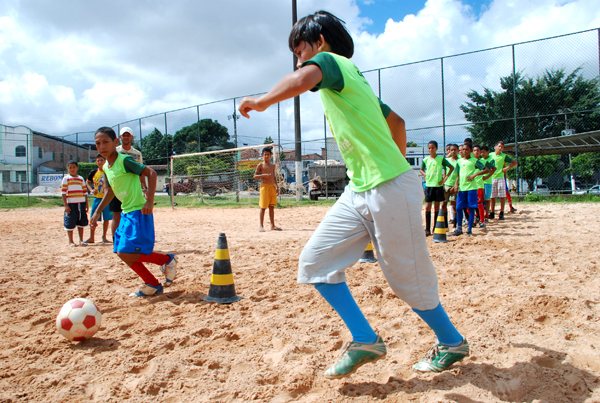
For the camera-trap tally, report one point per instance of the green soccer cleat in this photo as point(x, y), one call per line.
point(354, 355)
point(440, 357)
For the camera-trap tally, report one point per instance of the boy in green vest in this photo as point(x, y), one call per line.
point(134, 238)
point(382, 203)
point(449, 195)
point(498, 182)
point(468, 168)
point(432, 169)
point(487, 179)
point(481, 185)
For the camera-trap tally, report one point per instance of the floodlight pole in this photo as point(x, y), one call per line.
point(298, 135)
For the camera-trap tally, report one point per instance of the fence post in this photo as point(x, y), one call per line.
point(443, 106)
point(140, 125)
point(515, 115)
point(198, 127)
point(166, 138)
point(236, 173)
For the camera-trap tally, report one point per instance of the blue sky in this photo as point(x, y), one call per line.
point(379, 11)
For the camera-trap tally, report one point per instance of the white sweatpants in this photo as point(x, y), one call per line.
point(389, 216)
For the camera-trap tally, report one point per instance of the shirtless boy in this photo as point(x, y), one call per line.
point(268, 189)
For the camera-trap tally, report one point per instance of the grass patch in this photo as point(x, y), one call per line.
point(14, 202)
point(561, 198)
point(196, 202)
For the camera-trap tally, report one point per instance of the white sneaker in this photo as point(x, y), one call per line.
point(170, 269)
point(148, 290)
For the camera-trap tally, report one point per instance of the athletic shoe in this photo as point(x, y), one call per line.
point(482, 226)
point(469, 233)
point(452, 221)
point(486, 219)
point(501, 216)
point(440, 357)
point(170, 269)
point(427, 232)
point(354, 355)
point(513, 210)
point(148, 291)
point(492, 215)
point(456, 232)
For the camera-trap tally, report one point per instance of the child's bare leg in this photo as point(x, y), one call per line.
point(70, 236)
point(80, 231)
point(92, 237)
point(115, 222)
point(272, 216)
point(105, 227)
point(262, 219)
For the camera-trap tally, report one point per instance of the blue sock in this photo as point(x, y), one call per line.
point(471, 218)
point(438, 321)
point(459, 219)
point(340, 299)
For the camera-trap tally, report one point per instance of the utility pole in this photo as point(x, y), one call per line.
point(298, 136)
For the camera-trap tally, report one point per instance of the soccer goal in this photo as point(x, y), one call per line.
point(218, 177)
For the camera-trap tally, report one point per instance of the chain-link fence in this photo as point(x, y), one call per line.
point(517, 93)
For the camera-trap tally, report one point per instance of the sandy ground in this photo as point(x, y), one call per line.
point(526, 294)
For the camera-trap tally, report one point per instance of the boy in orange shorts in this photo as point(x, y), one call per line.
point(268, 189)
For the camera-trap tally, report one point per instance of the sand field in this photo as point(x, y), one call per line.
point(526, 293)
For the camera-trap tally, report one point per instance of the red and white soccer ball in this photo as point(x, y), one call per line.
point(79, 319)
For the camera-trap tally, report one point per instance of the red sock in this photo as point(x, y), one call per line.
point(143, 272)
point(155, 258)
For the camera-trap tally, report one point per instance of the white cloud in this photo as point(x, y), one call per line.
point(73, 66)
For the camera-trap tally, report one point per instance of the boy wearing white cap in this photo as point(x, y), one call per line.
point(126, 137)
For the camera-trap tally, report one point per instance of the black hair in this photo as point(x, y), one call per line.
point(99, 155)
point(500, 141)
point(434, 143)
point(469, 145)
point(468, 140)
point(72, 162)
point(485, 148)
point(453, 145)
point(268, 149)
point(476, 146)
point(108, 131)
point(310, 28)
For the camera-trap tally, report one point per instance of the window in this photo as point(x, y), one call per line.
point(411, 161)
point(21, 176)
point(5, 176)
point(20, 151)
point(40, 153)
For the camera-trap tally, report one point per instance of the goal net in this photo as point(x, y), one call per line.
point(221, 176)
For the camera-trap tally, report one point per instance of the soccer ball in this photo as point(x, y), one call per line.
point(79, 319)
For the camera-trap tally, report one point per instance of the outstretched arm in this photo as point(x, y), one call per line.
point(290, 86)
point(151, 175)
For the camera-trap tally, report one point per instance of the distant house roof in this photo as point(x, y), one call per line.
point(573, 143)
point(62, 140)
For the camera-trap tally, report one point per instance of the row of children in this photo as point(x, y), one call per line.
point(467, 182)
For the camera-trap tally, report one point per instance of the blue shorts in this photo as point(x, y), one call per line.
point(488, 191)
point(466, 199)
point(106, 213)
point(77, 217)
point(135, 233)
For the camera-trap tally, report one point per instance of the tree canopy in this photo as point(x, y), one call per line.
point(545, 106)
point(212, 135)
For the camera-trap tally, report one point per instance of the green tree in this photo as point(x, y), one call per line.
point(411, 144)
point(542, 105)
point(532, 168)
point(157, 148)
point(268, 140)
point(212, 134)
point(585, 166)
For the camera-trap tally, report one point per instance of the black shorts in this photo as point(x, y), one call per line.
point(115, 205)
point(77, 217)
point(435, 194)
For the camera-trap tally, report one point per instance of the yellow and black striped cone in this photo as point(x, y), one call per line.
point(222, 289)
point(368, 256)
point(439, 232)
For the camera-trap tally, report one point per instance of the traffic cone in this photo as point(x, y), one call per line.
point(439, 232)
point(222, 289)
point(368, 256)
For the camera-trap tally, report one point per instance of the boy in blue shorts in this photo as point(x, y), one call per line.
point(432, 169)
point(75, 202)
point(382, 203)
point(468, 169)
point(134, 238)
point(95, 184)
